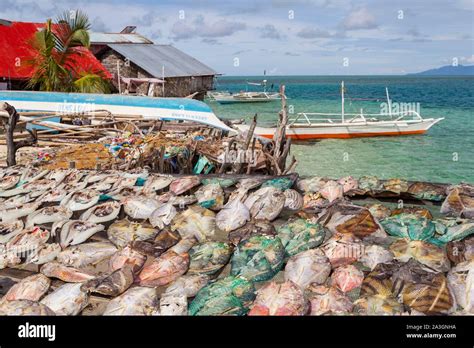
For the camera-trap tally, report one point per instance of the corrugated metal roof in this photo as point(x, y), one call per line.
point(151, 58)
point(106, 38)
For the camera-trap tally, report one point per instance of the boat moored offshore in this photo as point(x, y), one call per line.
point(312, 126)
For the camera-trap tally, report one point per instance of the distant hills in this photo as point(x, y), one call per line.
point(448, 70)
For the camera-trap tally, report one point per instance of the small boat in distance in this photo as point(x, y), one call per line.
point(312, 126)
point(245, 97)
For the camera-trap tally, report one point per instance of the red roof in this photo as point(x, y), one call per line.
point(15, 52)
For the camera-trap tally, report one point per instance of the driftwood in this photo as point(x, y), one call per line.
point(9, 123)
point(282, 144)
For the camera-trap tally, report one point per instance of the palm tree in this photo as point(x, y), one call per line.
point(55, 51)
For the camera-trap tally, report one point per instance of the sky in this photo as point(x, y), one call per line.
point(287, 37)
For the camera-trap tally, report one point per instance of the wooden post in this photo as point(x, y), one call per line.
point(281, 145)
point(9, 123)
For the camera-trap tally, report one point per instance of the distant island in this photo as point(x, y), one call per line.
point(448, 70)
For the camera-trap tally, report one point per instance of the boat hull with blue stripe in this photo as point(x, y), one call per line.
point(181, 109)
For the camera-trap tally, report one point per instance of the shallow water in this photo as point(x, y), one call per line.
point(444, 154)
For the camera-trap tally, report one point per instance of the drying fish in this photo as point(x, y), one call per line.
point(409, 226)
point(65, 273)
point(163, 241)
point(123, 181)
point(104, 212)
point(461, 283)
point(396, 186)
point(293, 200)
point(184, 184)
point(347, 278)
point(375, 254)
point(265, 203)
point(86, 254)
point(54, 195)
point(353, 219)
point(210, 196)
point(349, 184)
point(243, 186)
point(459, 202)
point(342, 249)
point(140, 207)
point(8, 258)
point(111, 284)
point(182, 201)
point(370, 184)
point(313, 184)
point(8, 182)
point(281, 183)
point(232, 216)
point(173, 305)
point(314, 201)
point(30, 288)
point(325, 300)
point(209, 257)
point(100, 186)
point(28, 242)
point(279, 299)
point(123, 232)
point(307, 267)
point(123, 193)
point(227, 296)
point(75, 231)
point(258, 258)
point(332, 191)
point(48, 215)
point(47, 253)
point(68, 299)
point(168, 267)
point(426, 253)
point(253, 228)
point(299, 235)
point(460, 251)
point(156, 183)
point(8, 230)
point(431, 192)
point(418, 211)
point(429, 298)
point(195, 222)
point(187, 285)
point(377, 297)
point(223, 182)
point(80, 200)
point(24, 307)
point(457, 232)
point(12, 214)
point(134, 301)
point(379, 211)
point(163, 215)
point(127, 256)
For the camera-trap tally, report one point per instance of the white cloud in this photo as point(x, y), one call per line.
point(312, 33)
point(359, 19)
point(201, 28)
point(270, 32)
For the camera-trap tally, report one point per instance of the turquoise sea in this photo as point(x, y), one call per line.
point(444, 154)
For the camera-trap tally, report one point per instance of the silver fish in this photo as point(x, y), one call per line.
point(187, 285)
point(307, 267)
point(104, 212)
point(80, 200)
point(163, 215)
point(135, 301)
point(173, 305)
point(30, 288)
point(13, 214)
point(140, 207)
point(122, 232)
point(86, 254)
point(265, 203)
point(233, 215)
point(68, 299)
point(47, 215)
point(47, 253)
point(75, 231)
point(293, 199)
point(8, 230)
point(24, 307)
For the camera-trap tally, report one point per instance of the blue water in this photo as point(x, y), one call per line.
point(444, 154)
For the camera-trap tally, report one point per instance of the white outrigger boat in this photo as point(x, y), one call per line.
point(178, 109)
point(311, 126)
point(245, 97)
